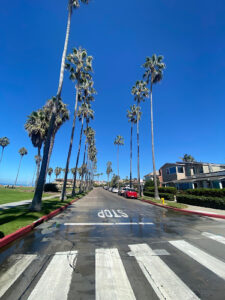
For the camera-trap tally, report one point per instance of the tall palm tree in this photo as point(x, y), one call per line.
point(109, 170)
point(79, 64)
point(154, 67)
point(4, 142)
point(84, 112)
point(119, 141)
point(22, 151)
point(36, 203)
point(131, 115)
point(36, 127)
point(57, 171)
point(50, 171)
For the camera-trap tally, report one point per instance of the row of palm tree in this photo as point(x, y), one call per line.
point(37, 199)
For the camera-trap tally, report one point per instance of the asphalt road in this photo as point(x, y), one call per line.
point(108, 247)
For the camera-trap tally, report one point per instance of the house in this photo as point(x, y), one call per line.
point(191, 175)
point(150, 176)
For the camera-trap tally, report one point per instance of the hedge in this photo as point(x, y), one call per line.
point(167, 190)
point(207, 192)
point(213, 202)
point(51, 187)
point(166, 196)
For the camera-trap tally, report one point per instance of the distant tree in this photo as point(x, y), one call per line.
point(57, 171)
point(115, 180)
point(154, 67)
point(119, 141)
point(4, 142)
point(150, 183)
point(22, 151)
point(187, 158)
point(140, 92)
point(50, 171)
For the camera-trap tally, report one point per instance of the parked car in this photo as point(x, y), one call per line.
point(110, 189)
point(120, 191)
point(130, 193)
point(115, 190)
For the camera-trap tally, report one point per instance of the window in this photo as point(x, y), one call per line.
point(180, 169)
point(194, 170)
point(201, 169)
point(173, 170)
point(167, 171)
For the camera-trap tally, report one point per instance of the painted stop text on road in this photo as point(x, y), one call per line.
point(112, 213)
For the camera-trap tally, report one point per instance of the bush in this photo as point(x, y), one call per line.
point(213, 202)
point(150, 183)
point(207, 192)
point(166, 196)
point(167, 190)
point(51, 187)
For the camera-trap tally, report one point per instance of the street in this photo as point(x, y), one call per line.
point(107, 247)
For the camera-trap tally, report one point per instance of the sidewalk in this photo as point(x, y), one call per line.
point(23, 202)
point(206, 210)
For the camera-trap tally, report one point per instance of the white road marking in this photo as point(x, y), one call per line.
point(166, 284)
point(11, 275)
point(208, 261)
point(110, 276)
point(108, 224)
point(55, 281)
point(218, 238)
point(107, 213)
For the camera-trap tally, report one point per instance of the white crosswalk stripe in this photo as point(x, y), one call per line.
point(208, 261)
point(111, 278)
point(54, 284)
point(163, 280)
point(218, 238)
point(13, 273)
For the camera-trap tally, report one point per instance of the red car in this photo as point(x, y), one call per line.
point(130, 193)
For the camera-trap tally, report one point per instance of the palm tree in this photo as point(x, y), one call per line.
point(131, 115)
point(109, 170)
point(36, 127)
point(22, 151)
point(119, 141)
point(4, 142)
point(79, 64)
point(50, 171)
point(154, 67)
point(36, 203)
point(187, 158)
point(140, 92)
point(57, 171)
point(84, 112)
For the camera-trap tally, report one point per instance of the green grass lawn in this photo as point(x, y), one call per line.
point(168, 203)
point(14, 218)
point(17, 194)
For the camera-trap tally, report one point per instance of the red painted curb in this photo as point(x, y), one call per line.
point(24, 230)
point(186, 210)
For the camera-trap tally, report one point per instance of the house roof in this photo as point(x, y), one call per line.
point(183, 163)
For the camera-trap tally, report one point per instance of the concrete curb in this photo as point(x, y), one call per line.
point(211, 215)
point(24, 230)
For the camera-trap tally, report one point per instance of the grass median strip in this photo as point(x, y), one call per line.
point(17, 217)
point(167, 203)
point(17, 194)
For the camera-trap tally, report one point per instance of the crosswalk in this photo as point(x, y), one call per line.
point(112, 280)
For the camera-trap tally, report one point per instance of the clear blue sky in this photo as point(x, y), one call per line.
point(189, 104)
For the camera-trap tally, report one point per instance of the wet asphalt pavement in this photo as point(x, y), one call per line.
point(145, 224)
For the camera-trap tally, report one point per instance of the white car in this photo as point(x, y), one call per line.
point(110, 189)
point(115, 190)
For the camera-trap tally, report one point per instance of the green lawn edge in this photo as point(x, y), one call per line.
point(167, 203)
point(15, 218)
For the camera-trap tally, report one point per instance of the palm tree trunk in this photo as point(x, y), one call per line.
point(2, 154)
point(118, 167)
point(70, 146)
point(78, 156)
point(153, 151)
point(38, 166)
point(34, 175)
point(108, 180)
point(36, 202)
point(131, 134)
point(18, 170)
point(50, 151)
point(138, 162)
point(82, 175)
point(49, 178)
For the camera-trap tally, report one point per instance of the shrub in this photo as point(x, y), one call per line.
point(150, 183)
point(166, 196)
point(167, 190)
point(207, 192)
point(213, 202)
point(51, 187)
